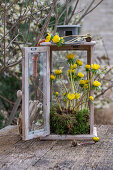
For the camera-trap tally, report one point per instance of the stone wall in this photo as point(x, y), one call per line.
point(100, 23)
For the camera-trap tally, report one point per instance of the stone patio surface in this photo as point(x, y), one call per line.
point(16, 154)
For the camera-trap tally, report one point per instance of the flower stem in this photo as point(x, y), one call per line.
point(58, 103)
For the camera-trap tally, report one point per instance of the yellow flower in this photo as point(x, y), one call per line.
point(61, 38)
point(52, 77)
point(79, 62)
point(72, 71)
point(48, 34)
point(77, 95)
point(80, 75)
point(82, 82)
point(74, 66)
point(91, 98)
point(70, 56)
point(48, 37)
point(86, 81)
point(95, 66)
point(87, 66)
point(96, 83)
point(56, 39)
point(57, 93)
point(95, 139)
point(64, 94)
point(85, 86)
point(71, 96)
point(58, 72)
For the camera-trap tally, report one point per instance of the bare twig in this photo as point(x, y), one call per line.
point(105, 50)
point(12, 40)
point(22, 18)
point(103, 92)
point(46, 22)
point(85, 13)
point(66, 11)
point(94, 7)
point(14, 2)
point(30, 19)
point(4, 34)
point(14, 64)
point(88, 11)
point(10, 102)
point(73, 12)
point(56, 17)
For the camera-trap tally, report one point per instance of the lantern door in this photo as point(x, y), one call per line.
point(35, 92)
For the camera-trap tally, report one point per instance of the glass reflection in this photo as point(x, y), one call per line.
point(37, 76)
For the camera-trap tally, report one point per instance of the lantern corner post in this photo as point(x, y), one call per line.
point(90, 60)
point(25, 94)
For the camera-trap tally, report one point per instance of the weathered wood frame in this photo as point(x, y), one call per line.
point(26, 135)
point(89, 47)
point(45, 134)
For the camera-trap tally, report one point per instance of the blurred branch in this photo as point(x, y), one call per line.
point(88, 10)
point(73, 12)
point(10, 65)
point(103, 92)
point(14, 64)
point(85, 13)
point(22, 18)
point(10, 102)
point(66, 18)
point(105, 50)
point(108, 71)
point(94, 7)
point(56, 17)
point(15, 1)
point(4, 34)
point(30, 20)
point(46, 22)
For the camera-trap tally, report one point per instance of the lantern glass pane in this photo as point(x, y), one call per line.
point(67, 85)
point(37, 78)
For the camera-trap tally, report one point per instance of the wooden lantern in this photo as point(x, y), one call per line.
point(37, 66)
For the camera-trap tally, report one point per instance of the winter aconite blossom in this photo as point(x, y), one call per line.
point(64, 94)
point(57, 93)
point(71, 96)
point(96, 83)
point(82, 82)
point(74, 66)
point(48, 37)
point(79, 62)
point(77, 96)
point(87, 67)
point(52, 77)
point(70, 56)
point(56, 39)
point(80, 75)
point(71, 71)
point(58, 72)
point(95, 139)
point(95, 66)
point(85, 86)
point(91, 98)
point(86, 81)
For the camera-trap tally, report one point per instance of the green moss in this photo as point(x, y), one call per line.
point(77, 123)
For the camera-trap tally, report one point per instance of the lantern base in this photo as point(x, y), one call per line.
point(71, 137)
